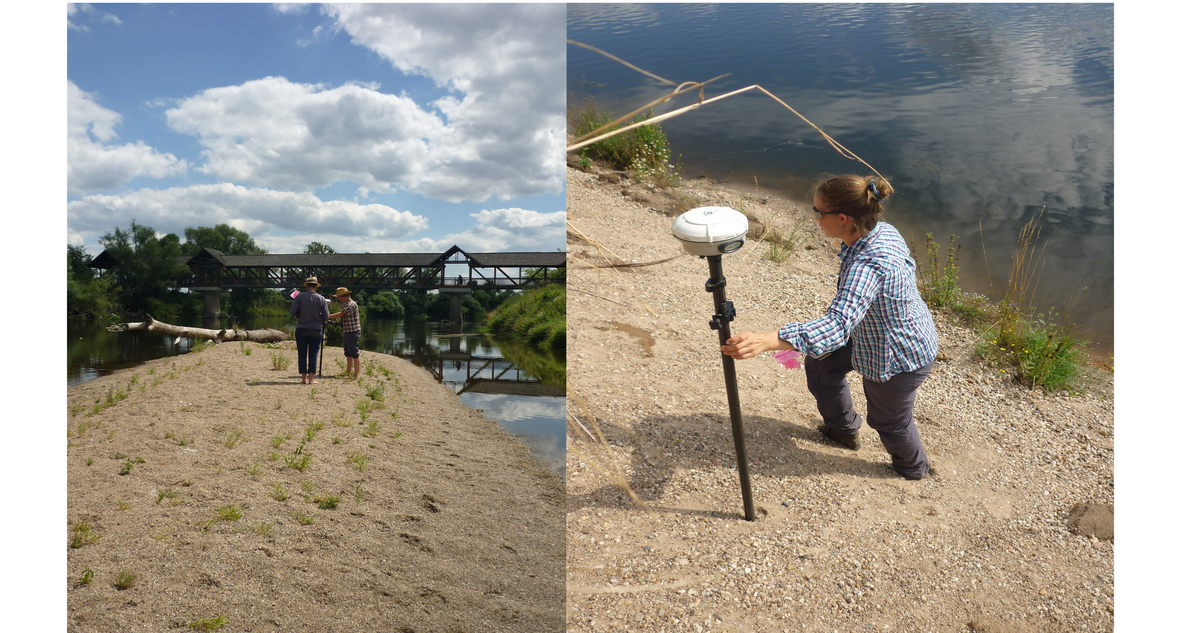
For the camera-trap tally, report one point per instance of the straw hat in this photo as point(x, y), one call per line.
point(341, 292)
point(312, 281)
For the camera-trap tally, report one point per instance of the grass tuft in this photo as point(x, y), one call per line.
point(209, 624)
point(82, 534)
point(125, 579)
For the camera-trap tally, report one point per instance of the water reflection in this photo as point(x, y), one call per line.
point(981, 114)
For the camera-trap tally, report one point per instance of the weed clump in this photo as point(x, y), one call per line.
point(644, 151)
point(1040, 350)
point(125, 579)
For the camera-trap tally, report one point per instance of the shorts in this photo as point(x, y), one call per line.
point(351, 343)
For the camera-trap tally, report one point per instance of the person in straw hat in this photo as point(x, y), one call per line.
point(351, 329)
point(310, 310)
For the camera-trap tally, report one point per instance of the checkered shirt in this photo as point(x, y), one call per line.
point(350, 317)
point(878, 306)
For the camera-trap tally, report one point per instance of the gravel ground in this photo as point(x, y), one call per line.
point(443, 522)
point(841, 543)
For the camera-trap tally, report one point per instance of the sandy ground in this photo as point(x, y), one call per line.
point(443, 521)
point(989, 543)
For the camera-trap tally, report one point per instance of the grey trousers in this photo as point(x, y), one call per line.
point(889, 408)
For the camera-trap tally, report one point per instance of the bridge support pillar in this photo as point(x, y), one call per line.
point(456, 297)
point(212, 303)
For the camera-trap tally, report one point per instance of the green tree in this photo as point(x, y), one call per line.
point(385, 303)
point(148, 266)
point(87, 295)
point(221, 237)
point(317, 248)
point(77, 264)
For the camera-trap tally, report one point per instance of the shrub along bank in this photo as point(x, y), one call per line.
point(536, 317)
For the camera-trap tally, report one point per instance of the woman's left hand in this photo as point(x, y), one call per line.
point(751, 344)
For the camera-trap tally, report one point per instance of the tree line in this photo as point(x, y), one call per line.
point(148, 267)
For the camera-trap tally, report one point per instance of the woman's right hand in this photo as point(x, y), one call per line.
point(751, 344)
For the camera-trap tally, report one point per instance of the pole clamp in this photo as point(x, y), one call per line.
point(713, 286)
point(723, 319)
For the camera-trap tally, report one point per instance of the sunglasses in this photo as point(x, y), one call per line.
point(820, 212)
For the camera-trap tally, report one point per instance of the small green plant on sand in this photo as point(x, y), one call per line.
point(279, 361)
point(254, 469)
point(225, 513)
point(86, 577)
point(232, 438)
point(311, 430)
point(359, 460)
point(262, 528)
point(327, 502)
point(169, 493)
point(303, 519)
point(279, 439)
point(376, 392)
point(208, 624)
point(82, 534)
point(279, 492)
point(372, 429)
point(341, 420)
point(359, 493)
point(298, 459)
point(125, 579)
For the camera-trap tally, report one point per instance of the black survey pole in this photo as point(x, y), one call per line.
point(720, 322)
point(321, 363)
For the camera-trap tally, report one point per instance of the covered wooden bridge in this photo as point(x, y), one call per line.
point(454, 271)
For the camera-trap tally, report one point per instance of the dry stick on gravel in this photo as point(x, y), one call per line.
point(688, 85)
point(613, 474)
point(573, 231)
point(592, 294)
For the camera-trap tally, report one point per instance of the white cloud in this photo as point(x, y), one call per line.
point(507, 64)
point(500, 230)
point(259, 212)
point(94, 166)
point(77, 11)
point(303, 137)
point(291, 8)
point(500, 134)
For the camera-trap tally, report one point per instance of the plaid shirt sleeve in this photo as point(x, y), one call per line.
point(350, 317)
point(858, 287)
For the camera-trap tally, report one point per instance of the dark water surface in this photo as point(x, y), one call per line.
point(979, 114)
point(486, 374)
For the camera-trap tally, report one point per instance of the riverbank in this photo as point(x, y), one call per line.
point(230, 490)
point(989, 543)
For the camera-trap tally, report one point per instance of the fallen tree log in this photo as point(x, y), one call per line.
point(265, 335)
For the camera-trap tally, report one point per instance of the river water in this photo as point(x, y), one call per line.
point(485, 373)
point(979, 114)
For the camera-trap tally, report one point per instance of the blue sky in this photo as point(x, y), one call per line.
point(376, 128)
